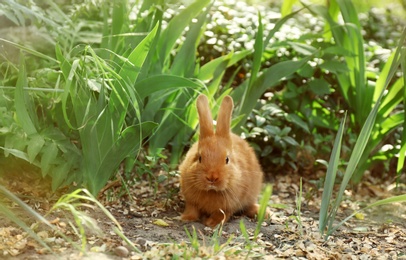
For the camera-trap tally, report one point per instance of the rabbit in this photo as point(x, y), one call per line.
point(220, 175)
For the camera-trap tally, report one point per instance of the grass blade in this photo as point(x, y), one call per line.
point(330, 177)
point(185, 60)
point(287, 7)
point(21, 104)
point(11, 216)
point(258, 51)
point(175, 28)
point(29, 51)
point(355, 157)
point(263, 206)
point(268, 79)
point(128, 143)
point(402, 150)
point(395, 199)
point(157, 83)
point(32, 213)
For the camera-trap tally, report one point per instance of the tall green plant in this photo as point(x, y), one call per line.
point(329, 209)
point(359, 93)
point(105, 137)
point(262, 80)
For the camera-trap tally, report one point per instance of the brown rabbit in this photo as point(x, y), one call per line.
point(220, 173)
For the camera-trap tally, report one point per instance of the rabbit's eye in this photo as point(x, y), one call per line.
point(200, 158)
point(227, 160)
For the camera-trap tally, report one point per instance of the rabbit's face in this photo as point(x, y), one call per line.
point(213, 164)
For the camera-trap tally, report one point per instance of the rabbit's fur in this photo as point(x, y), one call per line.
point(220, 174)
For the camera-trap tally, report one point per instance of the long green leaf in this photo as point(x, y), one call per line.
point(356, 154)
point(208, 70)
point(330, 177)
point(395, 199)
point(176, 26)
point(157, 83)
point(118, 22)
point(123, 91)
point(23, 115)
point(287, 7)
point(185, 60)
point(384, 111)
point(129, 142)
point(359, 147)
point(20, 154)
point(29, 51)
point(402, 150)
point(268, 79)
point(278, 25)
point(258, 51)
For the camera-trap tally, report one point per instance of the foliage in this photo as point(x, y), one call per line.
point(268, 132)
point(360, 87)
point(102, 97)
point(327, 212)
point(74, 203)
point(106, 95)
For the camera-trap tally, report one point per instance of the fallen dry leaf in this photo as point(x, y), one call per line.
point(161, 222)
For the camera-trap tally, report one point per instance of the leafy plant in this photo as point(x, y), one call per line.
point(106, 99)
point(360, 87)
point(327, 212)
point(268, 131)
point(75, 203)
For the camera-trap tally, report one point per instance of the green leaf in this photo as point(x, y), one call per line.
point(320, 87)
point(287, 7)
point(268, 79)
point(22, 113)
point(176, 26)
point(394, 199)
point(118, 21)
point(402, 150)
point(208, 70)
point(59, 174)
point(129, 142)
point(19, 154)
point(49, 154)
point(330, 178)
point(263, 208)
point(258, 51)
point(185, 60)
point(30, 51)
point(244, 231)
point(302, 48)
point(298, 121)
point(157, 83)
point(129, 71)
point(278, 25)
point(334, 66)
point(34, 146)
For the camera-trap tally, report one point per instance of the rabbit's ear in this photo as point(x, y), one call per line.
point(205, 118)
point(224, 117)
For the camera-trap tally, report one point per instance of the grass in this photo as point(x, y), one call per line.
point(215, 245)
point(360, 93)
point(136, 84)
point(329, 208)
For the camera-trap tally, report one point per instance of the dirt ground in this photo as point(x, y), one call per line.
point(149, 217)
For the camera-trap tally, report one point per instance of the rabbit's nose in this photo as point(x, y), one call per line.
point(212, 179)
